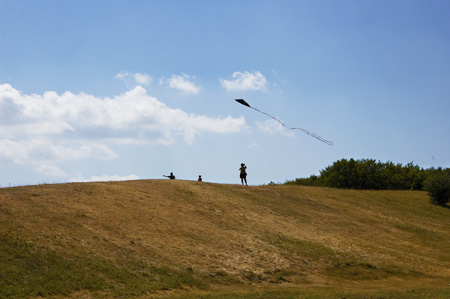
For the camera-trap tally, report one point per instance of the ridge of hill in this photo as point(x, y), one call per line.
point(178, 238)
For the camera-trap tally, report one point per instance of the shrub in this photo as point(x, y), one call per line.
point(438, 186)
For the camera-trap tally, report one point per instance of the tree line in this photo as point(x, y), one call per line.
point(376, 175)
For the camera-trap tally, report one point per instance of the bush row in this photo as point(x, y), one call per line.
point(376, 175)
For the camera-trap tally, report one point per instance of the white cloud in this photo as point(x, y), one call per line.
point(42, 154)
point(105, 178)
point(245, 81)
point(273, 127)
point(142, 78)
point(181, 83)
point(131, 79)
point(44, 130)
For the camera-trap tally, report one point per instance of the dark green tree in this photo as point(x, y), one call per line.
point(368, 174)
point(438, 186)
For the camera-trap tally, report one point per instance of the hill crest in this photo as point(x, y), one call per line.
point(234, 235)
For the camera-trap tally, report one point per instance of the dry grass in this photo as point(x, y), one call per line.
point(229, 239)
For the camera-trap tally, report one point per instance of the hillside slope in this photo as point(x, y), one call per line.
point(135, 238)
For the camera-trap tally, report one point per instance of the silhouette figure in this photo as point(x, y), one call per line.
point(171, 176)
point(199, 178)
point(243, 174)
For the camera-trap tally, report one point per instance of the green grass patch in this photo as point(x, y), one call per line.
point(322, 293)
point(358, 271)
point(302, 248)
point(27, 270)
point(352, 270)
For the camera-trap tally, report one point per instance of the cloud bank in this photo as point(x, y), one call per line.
point(44, 130)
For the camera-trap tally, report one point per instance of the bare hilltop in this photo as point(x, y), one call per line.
point(187, 239)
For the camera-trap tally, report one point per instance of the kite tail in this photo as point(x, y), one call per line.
point(304, 130)
point(314, 135)
point(270, 116)
point(241, 101)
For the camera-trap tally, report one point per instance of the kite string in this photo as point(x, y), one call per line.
point(304, 130)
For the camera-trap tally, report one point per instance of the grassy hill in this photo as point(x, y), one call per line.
point(184, 239)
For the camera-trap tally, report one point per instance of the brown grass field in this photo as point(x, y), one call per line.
point(185, 239)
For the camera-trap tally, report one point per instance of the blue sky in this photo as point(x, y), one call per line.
point(112, 90)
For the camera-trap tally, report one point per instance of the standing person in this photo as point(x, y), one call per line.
point(243, 174)
point(171, 176)
point(199, 178)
